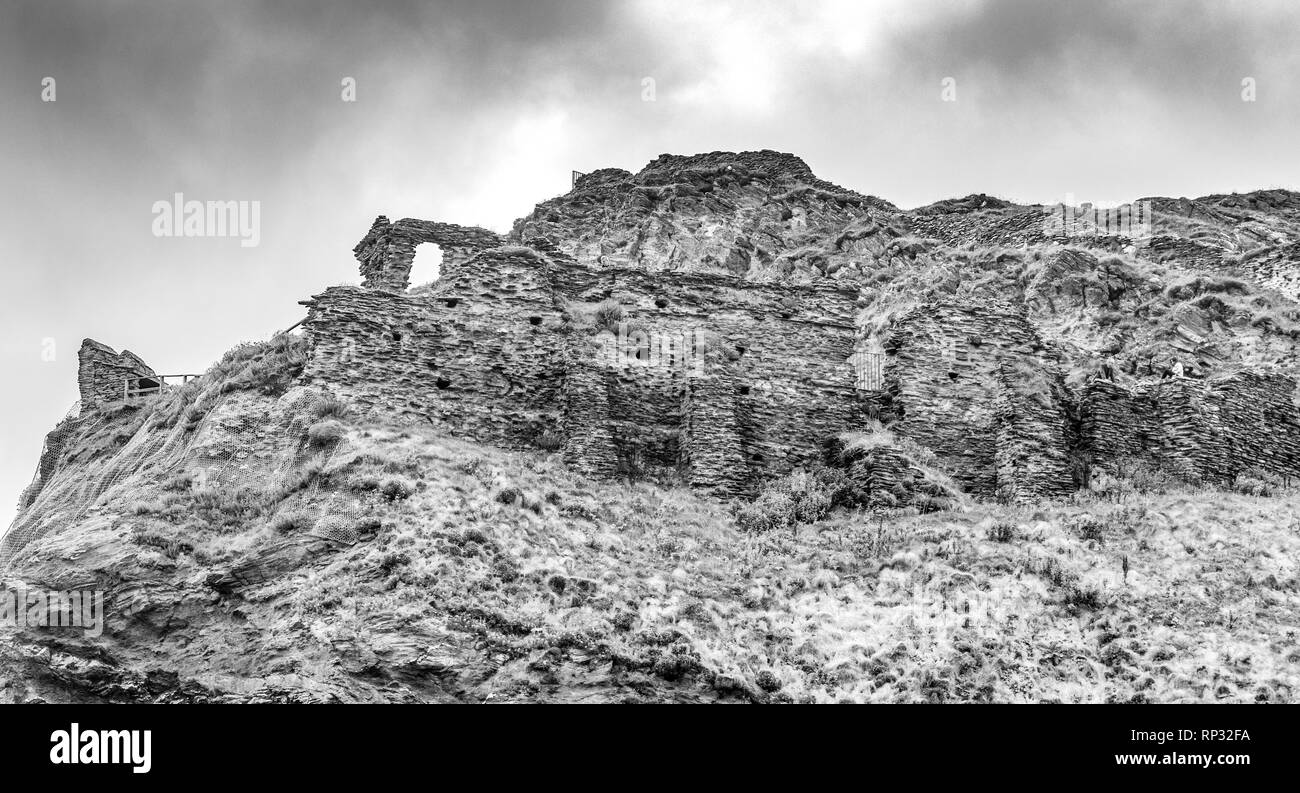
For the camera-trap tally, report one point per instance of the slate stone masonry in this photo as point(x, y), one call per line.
point(101, 372)
point(494, 351)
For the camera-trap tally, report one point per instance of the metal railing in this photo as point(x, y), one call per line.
point(151, 385)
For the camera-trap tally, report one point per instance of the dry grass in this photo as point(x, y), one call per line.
point(1184, 595)
point(1173, 597)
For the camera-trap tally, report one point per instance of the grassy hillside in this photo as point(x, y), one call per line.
point(394, 563)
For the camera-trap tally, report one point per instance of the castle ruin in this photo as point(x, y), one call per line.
point(722, 380)
point(705, 363)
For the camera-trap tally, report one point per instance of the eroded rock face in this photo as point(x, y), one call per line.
point(1251, 235)
point(753, 215)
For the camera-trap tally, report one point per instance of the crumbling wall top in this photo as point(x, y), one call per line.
point(388, 249)
point(101, 370)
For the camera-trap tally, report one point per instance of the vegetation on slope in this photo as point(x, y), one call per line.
point(462, 572)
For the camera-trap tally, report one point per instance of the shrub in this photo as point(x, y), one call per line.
point(506, 570)
point(509, 495)
point(473, 535)
point(1083, 598)
point(801, 497)
point(141, 508)
point(1256, 482)
point(921, 485)
point(330, 407)
point(364, 482)
point(313, 473)
point(549, 440)
point(397, 488)
point(325, 433)
point(170, 546)
point(193, 416)
point(1086, 527)
point(581, 511)
point(393, 560)
point(1002, 532)
point(290, 522)
point(767, 681)
point(1141, 476)
point(1250, 486)
point(608, 315)
point(335, 527)
point(269, 367)
point(1050, 570)
point(223, 507)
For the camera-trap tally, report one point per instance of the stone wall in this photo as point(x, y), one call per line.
point(716, 379)
point(388, 249)
point(714, 454)
point(723, 381)
point(1033, 434)
point(588, 440)
point(977, 386)
point(101, 372)
point(784, 349)
point(480, 355)
point(1209, 430)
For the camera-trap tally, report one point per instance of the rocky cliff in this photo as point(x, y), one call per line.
point(512, 483)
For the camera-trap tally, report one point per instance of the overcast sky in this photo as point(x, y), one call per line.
point(471, 112)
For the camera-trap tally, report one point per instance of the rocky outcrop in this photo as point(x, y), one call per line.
point(754, 215)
